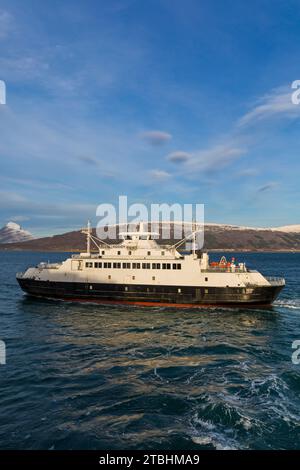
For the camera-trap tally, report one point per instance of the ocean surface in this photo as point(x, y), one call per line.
point(85, 376)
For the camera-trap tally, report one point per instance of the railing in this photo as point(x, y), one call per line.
point(276, 281)
point(48, 265)
point(225, 270)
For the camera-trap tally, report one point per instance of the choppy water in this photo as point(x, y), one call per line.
point(95, 377)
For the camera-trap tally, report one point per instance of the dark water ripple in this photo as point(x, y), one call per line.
point(95, 377)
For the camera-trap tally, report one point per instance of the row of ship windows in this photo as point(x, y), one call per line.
point(107, 265)
point(130, 253)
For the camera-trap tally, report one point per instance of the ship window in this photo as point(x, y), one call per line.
point(176, 266)
point(98, 265)
point(146, 265)
point(107, 265)
point(119, 252)
point(126, 265)
point(126, 288)
point(117, 265)
point(129, 252)
point(162, 253)
point(206, 279)
point(103, 252)
point(164, 266)
point(158, 266)
point(168, 266)
point(133, 278)
point(136, 265)
point(91, 287)
point(206, 291)
point(149, 253)
point(89, 265)
point(155, 266)
point(109, 277)
point(179, 291)
point(153, 278)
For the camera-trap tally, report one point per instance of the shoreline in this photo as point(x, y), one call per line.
point(212, 250)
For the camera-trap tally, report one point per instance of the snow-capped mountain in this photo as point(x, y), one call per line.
point(13, 233)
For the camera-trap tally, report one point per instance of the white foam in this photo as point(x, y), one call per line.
point(292, 304)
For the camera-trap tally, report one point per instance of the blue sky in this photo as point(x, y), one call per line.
point(160, 100)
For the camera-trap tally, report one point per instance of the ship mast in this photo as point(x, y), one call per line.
point(194, 237)
point(88, 238)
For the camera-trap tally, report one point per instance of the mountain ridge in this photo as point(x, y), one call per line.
point(217, 237)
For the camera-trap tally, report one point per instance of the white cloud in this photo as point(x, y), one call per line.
point(276, 103)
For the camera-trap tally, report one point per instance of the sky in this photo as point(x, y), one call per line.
point(165, 101)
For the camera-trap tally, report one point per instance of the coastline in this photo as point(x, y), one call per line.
point(209, 250)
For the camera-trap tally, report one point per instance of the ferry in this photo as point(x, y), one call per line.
point(139, 271)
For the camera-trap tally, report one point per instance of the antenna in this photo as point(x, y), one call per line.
point(88, 238)
point(194, 236)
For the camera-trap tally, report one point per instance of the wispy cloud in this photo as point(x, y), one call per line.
point(277, 103)
point(156, 138)
point(19, 218)
point(7, 24)
point(247, 172)
point(159, 175)
point(212, 159)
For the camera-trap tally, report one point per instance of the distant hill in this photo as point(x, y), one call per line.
point(13, 233)
point(217, 237)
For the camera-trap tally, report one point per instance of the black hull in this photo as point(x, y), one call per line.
point(151, 295)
